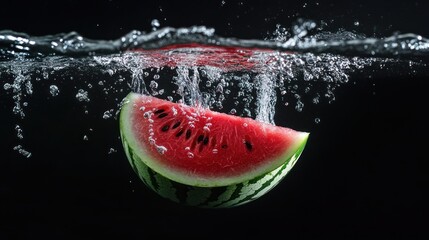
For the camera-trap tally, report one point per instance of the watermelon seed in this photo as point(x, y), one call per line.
point(179, 133)
point(176, 125)
point(162, 115)
point(188, 134)
point(165, 128)
point(248, 145)
point(224, 146)
point(200, 138)
point(206, 141)
point(159, 111)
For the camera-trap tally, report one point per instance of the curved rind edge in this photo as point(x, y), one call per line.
point(210, 197)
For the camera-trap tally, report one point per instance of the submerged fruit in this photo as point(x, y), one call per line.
point(204, 158)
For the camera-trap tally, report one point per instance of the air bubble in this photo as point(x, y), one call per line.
point(161, 149)
point(53, 89)
point(82, 96)
point(111, 150)
point(174, 111)
point(155, 24)
point(107, 114)
point(19, 132)
point(299, 105)
point(317, 120)
point(22, 151)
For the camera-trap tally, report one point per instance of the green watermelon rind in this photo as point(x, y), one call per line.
point(208, 197)
point(150, 172)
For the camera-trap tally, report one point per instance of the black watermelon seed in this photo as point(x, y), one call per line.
point(162, 115)
point(159, 111)
point(206, 141)
point(176, 125)
point(165, 128)
point(179, 133)
point(188, 133)
point(248, 145)
point(200, 138)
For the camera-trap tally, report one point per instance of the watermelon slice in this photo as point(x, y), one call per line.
point(204, 158)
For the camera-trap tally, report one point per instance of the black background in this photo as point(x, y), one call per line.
point(363, 173)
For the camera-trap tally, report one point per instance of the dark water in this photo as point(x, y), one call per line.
point(63, 172)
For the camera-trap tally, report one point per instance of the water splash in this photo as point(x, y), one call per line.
point(296, 38)
point(251, 78)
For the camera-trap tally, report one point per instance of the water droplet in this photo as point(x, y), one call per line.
point(299, 105)
point(7, 86)
point(53, 89)
point(151, 140)
point(206, 129)
point(107, 114)
point(22, 151)
point(215, 151)
point(19, 132)
point(317, 120)
point(82, 96)
point(155, 24)
point(190, 155)
point(111, 150)
point(85, 137)
point(161, 149)
point(174, 110)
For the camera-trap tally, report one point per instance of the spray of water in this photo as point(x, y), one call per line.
point(250, 78)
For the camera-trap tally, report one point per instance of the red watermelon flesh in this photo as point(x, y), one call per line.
point(200, 147)
point(227, 58)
